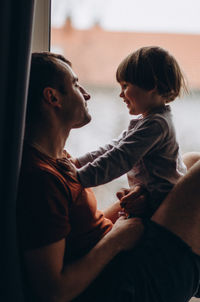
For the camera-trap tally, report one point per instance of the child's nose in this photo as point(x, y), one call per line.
point(121, 94)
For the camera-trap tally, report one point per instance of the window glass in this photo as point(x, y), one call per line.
point(95, 35)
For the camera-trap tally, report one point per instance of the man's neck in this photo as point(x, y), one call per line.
point(50, 143)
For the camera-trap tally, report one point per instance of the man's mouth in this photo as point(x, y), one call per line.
point(86, 107)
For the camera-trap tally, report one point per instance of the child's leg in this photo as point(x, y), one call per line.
point(180, 211)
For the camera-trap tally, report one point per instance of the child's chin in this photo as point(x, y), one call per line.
point(132, 112)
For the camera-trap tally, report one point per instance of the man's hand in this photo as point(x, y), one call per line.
point(133, 201)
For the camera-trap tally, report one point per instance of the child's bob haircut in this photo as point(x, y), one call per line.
point(153, 68)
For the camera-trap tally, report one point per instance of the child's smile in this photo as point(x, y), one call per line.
point(138, 100)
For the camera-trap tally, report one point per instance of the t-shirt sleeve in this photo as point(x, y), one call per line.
point(43, 210)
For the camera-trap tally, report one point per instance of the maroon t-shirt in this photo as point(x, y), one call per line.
point(52, 206)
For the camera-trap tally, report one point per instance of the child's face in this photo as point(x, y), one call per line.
point(138, 100)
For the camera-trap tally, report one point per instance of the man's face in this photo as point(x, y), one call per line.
point(75, 99)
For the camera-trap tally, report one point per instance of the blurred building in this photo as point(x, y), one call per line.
point(95, 53)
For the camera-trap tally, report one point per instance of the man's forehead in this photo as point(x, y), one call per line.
point(67, 69)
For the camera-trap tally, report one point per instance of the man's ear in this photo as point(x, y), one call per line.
point(51, 96)
point(153, 90)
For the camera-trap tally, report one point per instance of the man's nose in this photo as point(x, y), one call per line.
point(85, 94)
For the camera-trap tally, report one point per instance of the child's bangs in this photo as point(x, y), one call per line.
point(122, 73)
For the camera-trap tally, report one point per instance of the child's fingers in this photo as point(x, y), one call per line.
point(66, 164)
point(137, 206)
point(63, 163)
point(132, 202)
point(122, 192)
point(134, 192)
point(136, 209)
point(66, 153)
point(130, 197)
point(122, 213)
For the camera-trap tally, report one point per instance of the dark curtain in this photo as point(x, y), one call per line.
point(15, 47)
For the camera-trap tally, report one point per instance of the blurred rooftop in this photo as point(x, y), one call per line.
point(96, 53)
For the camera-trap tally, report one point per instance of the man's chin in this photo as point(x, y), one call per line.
point(84, 122)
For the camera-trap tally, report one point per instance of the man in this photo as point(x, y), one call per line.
point(69, 249)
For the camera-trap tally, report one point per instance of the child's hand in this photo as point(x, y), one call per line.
point(133, 201)
point(75, 162)
point(67, 166)
point(122, 192)
point(72, 159)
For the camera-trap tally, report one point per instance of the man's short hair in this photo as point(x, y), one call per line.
point(45, 72)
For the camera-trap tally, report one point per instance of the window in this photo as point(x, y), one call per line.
point(97, 34)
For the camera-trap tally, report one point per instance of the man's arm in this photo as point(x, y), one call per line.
point(112, 212)
point(54, 283)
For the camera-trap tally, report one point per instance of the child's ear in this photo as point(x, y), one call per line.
point(51, 96)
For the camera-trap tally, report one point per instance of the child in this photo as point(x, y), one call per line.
point(147, 151)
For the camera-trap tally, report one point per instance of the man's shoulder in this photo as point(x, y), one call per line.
point(36, 164)
point(38, 169)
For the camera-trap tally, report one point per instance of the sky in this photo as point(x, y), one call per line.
point(173, 16)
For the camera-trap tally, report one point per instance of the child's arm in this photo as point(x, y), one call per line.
point(89, 157)
point(121, 158)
